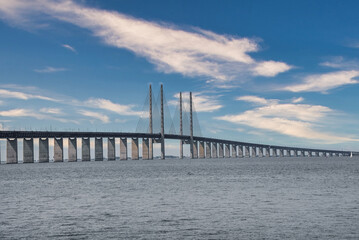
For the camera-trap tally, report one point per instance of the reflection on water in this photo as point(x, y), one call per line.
point(269, 198)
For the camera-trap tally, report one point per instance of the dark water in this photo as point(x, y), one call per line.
point(268, 198)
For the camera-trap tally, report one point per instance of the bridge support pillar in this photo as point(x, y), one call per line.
point(280, 152)
point(72, 149)
point(111, 153)
point(214, 150)
point(58, 150)
point(220, 150)
point(227, 152)
point(123, 149)
point(234, 151)
point(43, 150)
point(181, 149)
point(208, 150)
point(150, 148)
point(98, 149)
point(246, 151)
point(201, 149)
point(28, 148)
point(240, 151)
point(134, 155)
point(267, 154)
point(195, 149)
point(253, 153)
point(260, 152)
point(11, 151)
point(145, 153)
point(86, 149)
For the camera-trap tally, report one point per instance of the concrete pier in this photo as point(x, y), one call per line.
point(28, 148)
point(246, 151)
point(201, 149)
point(208, 150)
point(226, 152)
point(220, 150)
point(214, 150)
point(145, 152)
point(267, 154)
point(195, 149)
point(240, 151)
point(123, 148)
point(58, 150)
point(43, 150)
point(234, 151)
point(134, 155)
point(280, 152)
point(260, 152)
point(253, 153)
point(11, 151)
point(86, 149)
point(111, 149)
point(98, 149)
point(72, 149)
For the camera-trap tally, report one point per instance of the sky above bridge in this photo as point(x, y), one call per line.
point(272, 72)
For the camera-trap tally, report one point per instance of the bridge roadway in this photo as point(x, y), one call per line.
point(202, 146)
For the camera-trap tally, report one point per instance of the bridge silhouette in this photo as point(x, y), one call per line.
point(200, 147)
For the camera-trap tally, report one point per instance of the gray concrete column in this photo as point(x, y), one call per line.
point(240, 151)
point(214, 150)
point(150, 149)
point(195, 149)
point(28, 146)
point(267, 154)
point(111, 152)
point(246, 151)
point(134, 155)
point(201, 149)
point(123, 148)
point(11, 151)
point(58, 150)
point(43, 150)
point(98, 149)
point(220, 150)
point(226, 152)
point(280, 153)
point(260, 152)
point(86, 156)
point(208, 150)
point(234, 151)
point(253, 153)
point(72, 149)
point(145, 152)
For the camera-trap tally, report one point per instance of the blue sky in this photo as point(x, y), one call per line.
point(275, 72)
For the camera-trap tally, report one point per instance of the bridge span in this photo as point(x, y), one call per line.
point(200, 147)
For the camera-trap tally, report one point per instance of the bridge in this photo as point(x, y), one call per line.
point(200, 147)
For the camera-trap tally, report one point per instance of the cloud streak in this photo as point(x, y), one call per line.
point(191, 52)
point(50, 70)
point(72, 49)
point(4, 93)
point(95, 115)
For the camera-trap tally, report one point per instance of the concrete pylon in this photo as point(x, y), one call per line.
point(123, 148)
point(194, 149)
point(227, 153)
point(260, 152)
point(267, 154)
point(86, 156)
point(111, 153)
point(253, 153)
point(98, 149)
point(201, 149)
point(72, 149)
point(150, 140)
point(43, 150)
point(28, 146)
point(240, 151)
point(234, 151)
point(214, 150)
point(58, 150)
point(246, 151)
point(208, 150)
point(220, 150)
point(134, 155)
point(145, 153)
point(281, 154)
point(163, 154)
point(181, 128)
point(11, 151)
point(191, 127)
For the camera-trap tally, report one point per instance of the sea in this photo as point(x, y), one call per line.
point(234, 198)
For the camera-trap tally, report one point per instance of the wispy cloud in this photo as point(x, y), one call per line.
point(55, 111)
point(201, 101)
point(4, 93)
point(72, 49)
point(95, 115)
point(21, 112)
point(126, 110)
point(50, 70)
point(296, 120)
point(324, 82)
point(191, 52)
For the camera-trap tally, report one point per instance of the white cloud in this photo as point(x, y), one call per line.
point(4, 93)
point(96, 115)
point(201, 102)
point(50, 70)
point(21, 112)
point(55, 111)
point(255, 99)
point(296, 120)
point(69, 47)
point(106, 104)
point(297, 100)
point(194, 52)
point(324, 82)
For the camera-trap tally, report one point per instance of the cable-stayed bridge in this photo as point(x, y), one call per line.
point(154, 127)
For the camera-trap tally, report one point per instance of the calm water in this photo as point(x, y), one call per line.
point(268, 198)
